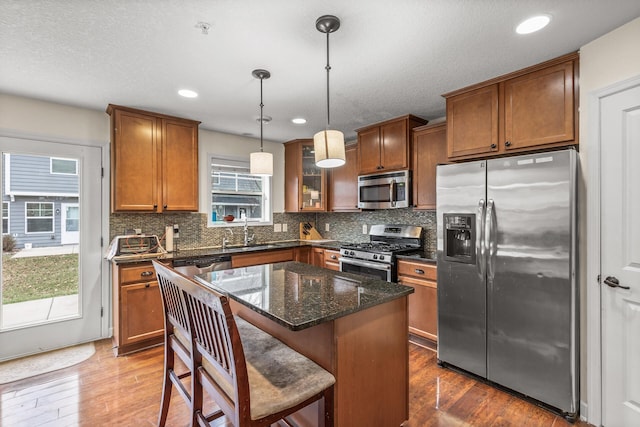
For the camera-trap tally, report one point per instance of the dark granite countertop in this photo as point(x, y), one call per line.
point(419, 257)
point(298, 295)
point(235, 250)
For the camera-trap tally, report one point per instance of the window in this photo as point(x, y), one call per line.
point(234, 191)
point(5, 217)
point(64, 166)
point(39, 217)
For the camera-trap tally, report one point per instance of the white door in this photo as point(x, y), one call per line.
point(35, 316)
point(620, 257)
point(70, 224)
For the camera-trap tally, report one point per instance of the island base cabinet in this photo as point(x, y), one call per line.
point(367, 352)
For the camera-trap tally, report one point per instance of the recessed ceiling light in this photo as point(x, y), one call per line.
point(533, 24)
point(299, 120)
point(187, 93)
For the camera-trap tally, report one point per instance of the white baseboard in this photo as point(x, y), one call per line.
point(583, 411)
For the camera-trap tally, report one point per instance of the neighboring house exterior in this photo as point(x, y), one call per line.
point(40, 200)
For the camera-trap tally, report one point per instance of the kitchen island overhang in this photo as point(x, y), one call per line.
point(353, 326)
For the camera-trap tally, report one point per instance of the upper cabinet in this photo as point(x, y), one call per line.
point(429, 150)
point(305, 184)
point(343, 183)
point(534, 108)
point(154, 162)
point(386, 146)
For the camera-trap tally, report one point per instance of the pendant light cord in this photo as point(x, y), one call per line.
point(328, 68)
point(261, 108)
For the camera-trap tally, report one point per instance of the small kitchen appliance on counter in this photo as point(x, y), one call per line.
point(507, 295)
point(377, 258)
point(135, 246)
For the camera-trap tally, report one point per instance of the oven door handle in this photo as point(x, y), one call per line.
point(361, 263)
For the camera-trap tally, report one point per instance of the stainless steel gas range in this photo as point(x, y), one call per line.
point(377, 258)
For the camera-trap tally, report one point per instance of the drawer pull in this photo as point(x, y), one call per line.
point(146, 285)
point(146, 273)
point(334, 257)
point(419, 271)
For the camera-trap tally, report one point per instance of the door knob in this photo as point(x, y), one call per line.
point(614, 283)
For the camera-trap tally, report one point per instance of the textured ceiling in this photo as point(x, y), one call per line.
point(388, 58)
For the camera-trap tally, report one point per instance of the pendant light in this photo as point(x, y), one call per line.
point(328, 144)
point(261, 163)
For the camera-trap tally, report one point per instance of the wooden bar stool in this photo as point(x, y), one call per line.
point(252, 377)
point(177, 340)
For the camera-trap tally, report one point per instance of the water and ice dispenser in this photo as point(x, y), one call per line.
point(460, 238)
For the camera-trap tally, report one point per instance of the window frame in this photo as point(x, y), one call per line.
point(51, 171)
point(8, 218)
point(267, 192)
point(53, 218)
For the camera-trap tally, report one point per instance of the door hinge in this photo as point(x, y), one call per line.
point(102, 172)
point(101, 311)
point(599, 279)
point(101, 241)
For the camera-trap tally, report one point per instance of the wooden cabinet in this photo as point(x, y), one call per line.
point(154, 162)
point(534, 108)
point(302, 254)
point(262, 257)
point(429, 150)
point(423, 303)
point(386, 146)
point(317, 257)
point(305, 184)
point(138, 320)
point(343, 183)
point(331, 259)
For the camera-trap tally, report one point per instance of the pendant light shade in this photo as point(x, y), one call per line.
point(328, 144)
point(329, 148)
point(261, 163)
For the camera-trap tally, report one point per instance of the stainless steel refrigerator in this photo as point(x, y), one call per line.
point(507, 286)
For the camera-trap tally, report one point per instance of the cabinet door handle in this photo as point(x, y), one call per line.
point(419, 271)
point(164, 207)
point(334, 257)
point(155, 207)
point(146, 273)
point(146, 285)
point(493, 146)
point(507, 144)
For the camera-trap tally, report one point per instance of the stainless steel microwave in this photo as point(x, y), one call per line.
point(387, 190)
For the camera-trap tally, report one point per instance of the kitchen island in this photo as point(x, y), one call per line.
point(353, 326)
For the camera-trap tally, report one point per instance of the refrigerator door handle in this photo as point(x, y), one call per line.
point(481, 261)
point(490, 245)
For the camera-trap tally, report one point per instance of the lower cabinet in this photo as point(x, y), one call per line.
point(263, 257)
point(423, 303)
point(331, 259)
point(138, 320)
point(317, 257)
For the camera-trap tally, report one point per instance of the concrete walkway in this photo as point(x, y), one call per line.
point(50, 250)
point(39, 310)
point(45, 309)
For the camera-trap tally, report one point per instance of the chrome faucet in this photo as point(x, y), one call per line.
point(247, 239)
point(225, 240)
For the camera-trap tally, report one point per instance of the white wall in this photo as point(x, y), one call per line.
point(609, 59)
point(36, 119)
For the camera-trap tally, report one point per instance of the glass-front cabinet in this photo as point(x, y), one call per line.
point(305, 183)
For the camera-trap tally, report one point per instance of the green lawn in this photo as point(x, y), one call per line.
point(30, 278)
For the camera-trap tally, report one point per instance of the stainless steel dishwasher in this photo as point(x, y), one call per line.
point(204, 264)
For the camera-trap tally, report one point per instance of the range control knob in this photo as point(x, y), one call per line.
point(352, 253)
point(381, 258)
point(376, 256)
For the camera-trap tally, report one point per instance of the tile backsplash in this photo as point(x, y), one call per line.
point(343, 226)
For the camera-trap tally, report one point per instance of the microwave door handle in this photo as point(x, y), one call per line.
point(392, 188)
point(481, 261)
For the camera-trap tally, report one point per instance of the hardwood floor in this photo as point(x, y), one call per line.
point(125, 391)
